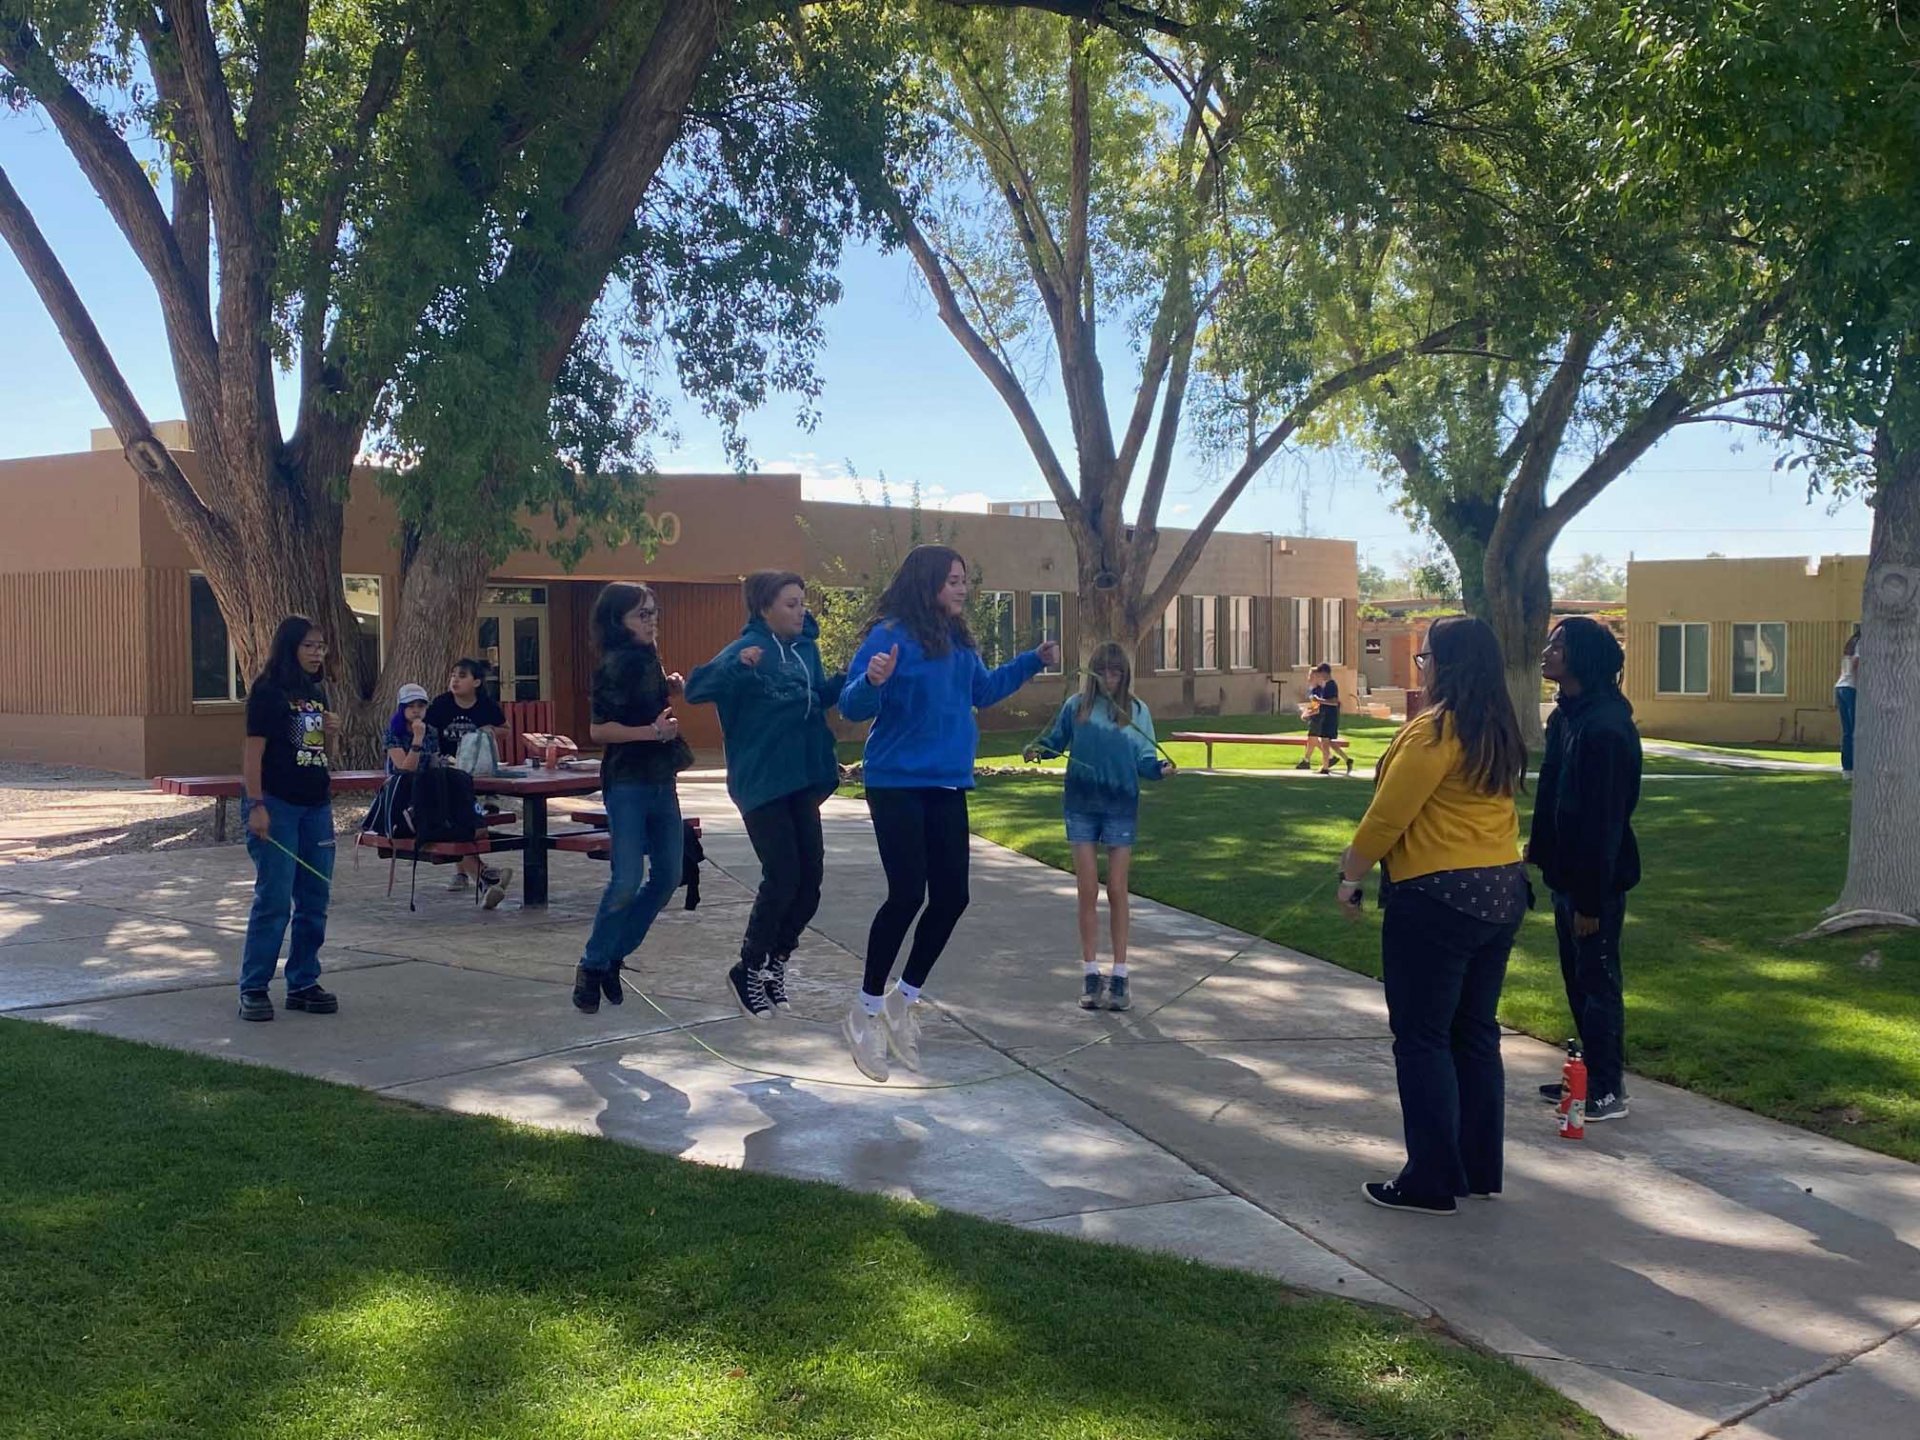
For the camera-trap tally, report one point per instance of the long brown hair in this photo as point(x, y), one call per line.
point(911, 601)
point(1468, 688)
point(610, 611)
point(1109, 656)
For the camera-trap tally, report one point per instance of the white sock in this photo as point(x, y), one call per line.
point(1120, 970)
point(872, 1003)
point(911, 992)
point(1089, 967)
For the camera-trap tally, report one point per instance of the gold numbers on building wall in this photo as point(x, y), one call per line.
point(667, 526)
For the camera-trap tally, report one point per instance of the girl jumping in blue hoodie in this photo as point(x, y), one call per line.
point(1108, 735)
point(919, 678)
point(773, 697)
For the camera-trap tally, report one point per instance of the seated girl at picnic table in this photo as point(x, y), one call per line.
point(413, 742)
point(1107, 734)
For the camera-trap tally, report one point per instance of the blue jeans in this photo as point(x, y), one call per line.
point(644, 821)
point(1443, 971)
point(284, 887)
point(1844, 697)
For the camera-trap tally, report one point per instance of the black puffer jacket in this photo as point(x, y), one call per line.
point(1589, 783)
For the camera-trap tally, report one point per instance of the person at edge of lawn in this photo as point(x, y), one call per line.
point(632, 717)
point(1583, 843)
point(412, 742)
point(919, 677)
point(1845, 695)
point(288, 797)
point(773, 696)
point(1323, 720)
point(457, 712)
point(1444, 827)
point(1106, 733)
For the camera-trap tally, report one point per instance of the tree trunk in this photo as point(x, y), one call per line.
point(1519, 600)
point(1883, 876)
point(440, 594)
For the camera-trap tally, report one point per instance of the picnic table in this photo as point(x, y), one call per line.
point(533, 788)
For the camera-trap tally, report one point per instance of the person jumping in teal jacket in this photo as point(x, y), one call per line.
point(774, 696)
point(1107, 735)
point(919, 678)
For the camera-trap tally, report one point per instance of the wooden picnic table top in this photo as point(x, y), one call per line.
point(573, 780)
point(228, 787)
point(542, 784)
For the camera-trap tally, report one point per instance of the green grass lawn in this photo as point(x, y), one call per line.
point(1720, 998)
point(190, 1248)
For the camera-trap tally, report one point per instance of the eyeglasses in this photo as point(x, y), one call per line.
point(1423, 659)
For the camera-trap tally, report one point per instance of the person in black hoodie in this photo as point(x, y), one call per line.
point(1583, 844)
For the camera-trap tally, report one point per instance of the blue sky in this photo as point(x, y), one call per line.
point(902, 399)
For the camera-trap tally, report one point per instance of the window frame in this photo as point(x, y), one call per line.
point(992, 652)
point(1733, 660)
point(1168, 628)
point(1333, 620)
point(1206, 616)
point(1036, 615)
point(1683, 626)
point(236, 683)
point(1300, 624)
point(1239, 609)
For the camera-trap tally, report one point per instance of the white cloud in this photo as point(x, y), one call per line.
point(1179, 510)
point(832, 480)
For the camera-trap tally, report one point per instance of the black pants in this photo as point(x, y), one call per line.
point(1596, 991)
point(786, 836)
point(922, 836)
point(1444, 970)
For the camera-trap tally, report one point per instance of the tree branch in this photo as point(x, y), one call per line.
point(1113, 14)
point(149, 458)
point(1778, 427)
point(1003, 380)
point(1334, 385)
point(117, 178)
point(1171, 407)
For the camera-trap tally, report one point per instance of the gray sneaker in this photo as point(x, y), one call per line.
point(459, 884)
point(1119, 994)
point(1093, 990)
point(1607, 1107)
point(867, 1039)
point(903, 1029)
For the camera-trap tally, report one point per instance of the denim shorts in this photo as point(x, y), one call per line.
point(1087, 828)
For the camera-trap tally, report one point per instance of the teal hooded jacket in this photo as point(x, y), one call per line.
point(773, 715)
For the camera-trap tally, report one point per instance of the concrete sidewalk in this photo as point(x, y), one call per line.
point(1689, 1269)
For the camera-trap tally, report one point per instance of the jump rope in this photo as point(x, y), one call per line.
point(1019, 1067)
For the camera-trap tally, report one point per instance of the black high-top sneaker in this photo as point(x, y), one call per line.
point(774, 982)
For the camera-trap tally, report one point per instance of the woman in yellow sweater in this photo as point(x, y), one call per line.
point(1444, 829)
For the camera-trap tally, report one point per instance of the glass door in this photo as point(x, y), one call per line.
point(513, 640)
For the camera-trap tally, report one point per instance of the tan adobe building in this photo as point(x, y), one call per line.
point(119, 658)
point(1740, 650)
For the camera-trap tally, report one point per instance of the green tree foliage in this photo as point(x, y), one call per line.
point(1591, 577)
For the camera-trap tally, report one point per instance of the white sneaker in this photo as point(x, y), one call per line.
point(867, 1039)
point(459, 884)
point(903, 1029)
point(497, 882)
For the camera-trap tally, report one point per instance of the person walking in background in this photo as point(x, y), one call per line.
point(919, 677)
point(1445, 830)
point(1582, 841)
point(1323, 718)
point(1107, 735)
point(632, 719)
point(1845, 693)
point(773, 696)
point(288, 796)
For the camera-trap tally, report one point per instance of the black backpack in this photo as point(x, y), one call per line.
point(442, 806)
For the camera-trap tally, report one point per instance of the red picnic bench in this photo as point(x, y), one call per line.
point(222, 788)
point(1211, 738)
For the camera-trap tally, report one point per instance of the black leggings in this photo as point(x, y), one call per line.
point(786, 836)
point(922, 836)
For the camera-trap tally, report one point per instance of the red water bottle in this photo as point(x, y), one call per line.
point(1573, 1095)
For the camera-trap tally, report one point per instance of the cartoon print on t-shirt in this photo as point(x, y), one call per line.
point(309, 733)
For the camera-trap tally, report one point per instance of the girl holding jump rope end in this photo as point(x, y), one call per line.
point(1107, 735)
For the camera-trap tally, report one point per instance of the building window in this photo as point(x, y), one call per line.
point(1241, 619)
point(1760, 659)
point(1166, 648)
point(1683, 660)
point(363, 599)
point(1043, 611)
point(1206, 655)
point(216, 669)
point(1300, 615)
point(997, 639)
point(1333, 632)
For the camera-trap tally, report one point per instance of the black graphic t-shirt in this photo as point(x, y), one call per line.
point(455, 724)
point(293, 723)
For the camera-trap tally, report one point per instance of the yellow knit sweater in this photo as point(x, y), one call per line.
point(1427, 816)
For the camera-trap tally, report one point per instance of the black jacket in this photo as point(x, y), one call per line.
point(1589, 782)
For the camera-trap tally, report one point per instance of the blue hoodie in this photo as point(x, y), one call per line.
point(1107, 760)
point(774, 714)
point(923, 727)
